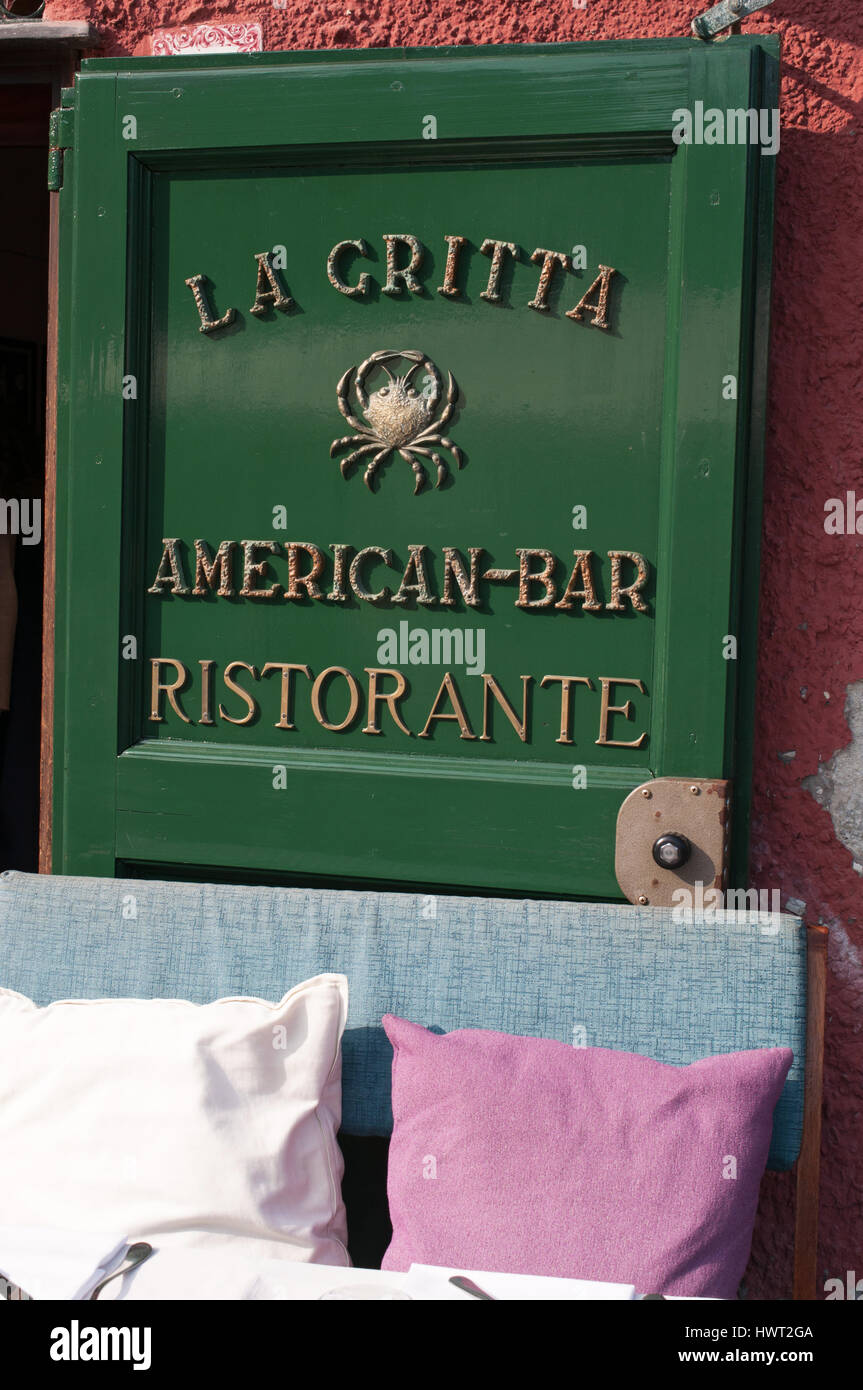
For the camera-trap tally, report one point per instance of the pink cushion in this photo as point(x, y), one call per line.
point(527, 1156)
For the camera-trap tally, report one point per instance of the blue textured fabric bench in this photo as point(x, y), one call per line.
point(596, 974)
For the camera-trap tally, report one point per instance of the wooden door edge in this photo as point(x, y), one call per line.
point(62, 78)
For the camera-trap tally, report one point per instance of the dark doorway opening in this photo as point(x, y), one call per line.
point(24, 245)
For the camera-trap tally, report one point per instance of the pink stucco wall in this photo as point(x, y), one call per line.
point(807, 839)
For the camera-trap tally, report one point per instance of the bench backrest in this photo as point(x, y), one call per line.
point(586, 974)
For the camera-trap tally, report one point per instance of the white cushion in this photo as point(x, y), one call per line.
point(189, 1125)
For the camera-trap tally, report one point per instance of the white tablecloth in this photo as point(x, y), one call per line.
point(66, 1265)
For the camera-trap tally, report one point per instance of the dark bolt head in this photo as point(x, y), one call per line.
point(671, 851)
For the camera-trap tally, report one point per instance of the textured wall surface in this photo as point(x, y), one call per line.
point(808, 810)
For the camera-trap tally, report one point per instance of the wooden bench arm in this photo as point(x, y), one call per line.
point(809, 1161)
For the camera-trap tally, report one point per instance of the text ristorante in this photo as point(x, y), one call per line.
point(339, 700)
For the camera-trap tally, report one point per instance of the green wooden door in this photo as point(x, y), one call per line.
point(408, 458)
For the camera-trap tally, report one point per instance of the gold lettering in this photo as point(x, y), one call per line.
point(496, 250)
point(238, 690)
point(335, 279)
point(630, 591)
point(550, 261)
point(269, 291)
point(297, 581)
point(254, 570)
point(600, 308)
point(389, 698)
point(449, 288)
point(448, 687)
point(491, 687)
point(454, 569)
point(317, 698)
point(169, 688)
point(396, 276)
point(287, 669)
point(566, 684)
point(526, 578)
point(339, 593)
point(607, 709)
point(587, 593)
point(170, 571)
point(207, 668)
point(359, 588)
point(415, 578)
point(197, 284)
point(214, 572)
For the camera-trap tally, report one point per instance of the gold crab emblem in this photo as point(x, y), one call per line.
point(398, 417)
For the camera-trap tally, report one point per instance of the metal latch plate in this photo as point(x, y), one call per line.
point(699, 809)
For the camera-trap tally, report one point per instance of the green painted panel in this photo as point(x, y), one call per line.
point(573, 438)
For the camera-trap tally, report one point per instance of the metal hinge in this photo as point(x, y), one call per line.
point(722, 16)
point(61, 136)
